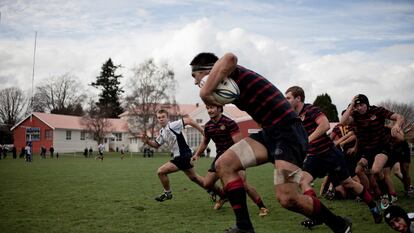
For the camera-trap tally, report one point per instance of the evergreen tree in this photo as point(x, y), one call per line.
point(324, 102)
point(108, 82)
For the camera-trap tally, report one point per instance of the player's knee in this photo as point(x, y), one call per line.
point(160, 172)
point(194, 179)
point(375, 171)
point(348, 184)
point(359, 170)
point(222, 167)
point(286, 201)
point(208, 184)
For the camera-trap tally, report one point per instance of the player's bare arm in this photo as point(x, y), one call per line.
point(221, 69)
point(323, 127)
point(200, 149)
point(149, 142)
point(191, 122)
point(397, 127)
point(350, 137)
point(346, 118)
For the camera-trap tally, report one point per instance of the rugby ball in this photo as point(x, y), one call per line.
point(226, 91)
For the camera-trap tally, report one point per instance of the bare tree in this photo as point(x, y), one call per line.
point(153, 88)
point(60, 94)
point(96, 123)
point(12, 105)
point(404, 109)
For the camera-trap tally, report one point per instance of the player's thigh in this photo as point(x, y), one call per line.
point(306, 178)
point(242, 174)
point(167, 168)
point(379, 163)
point(287, 177)
point(246, 153)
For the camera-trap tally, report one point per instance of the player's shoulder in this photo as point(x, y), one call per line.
point(310, 109)
point(225, 118)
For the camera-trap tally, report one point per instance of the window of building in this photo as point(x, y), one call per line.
point(199, 121)
point(32, 134)
point(118, 136)
point(48, 134)
point(68, 135)
point(82, 135)
point(193, 137)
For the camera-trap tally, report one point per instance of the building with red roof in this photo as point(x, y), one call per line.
point(65, 133)
point(70, 133)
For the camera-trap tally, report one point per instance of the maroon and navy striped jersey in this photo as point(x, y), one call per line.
point(309, 115)
point(369, 127)
point(221, 133)
point(261, 99)
point(340, 131)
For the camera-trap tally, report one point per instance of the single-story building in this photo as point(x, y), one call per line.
point(65, 133)
point(70, 134)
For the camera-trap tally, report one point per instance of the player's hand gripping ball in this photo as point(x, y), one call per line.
point(226, 91)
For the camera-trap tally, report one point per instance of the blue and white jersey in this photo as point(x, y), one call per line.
point(172, 136)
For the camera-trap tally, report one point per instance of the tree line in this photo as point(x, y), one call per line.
point(65, 94)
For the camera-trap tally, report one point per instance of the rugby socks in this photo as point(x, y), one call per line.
point(367, 198)
point(310, 192)
point(259, 203)
point(322, 213)
point(236, 194)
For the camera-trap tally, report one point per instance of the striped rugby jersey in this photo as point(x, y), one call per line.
point(261, 99)
point(309, 115)
point(221, 133)
point(369, 127)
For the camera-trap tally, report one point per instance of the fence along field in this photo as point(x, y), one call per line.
point(77, 194)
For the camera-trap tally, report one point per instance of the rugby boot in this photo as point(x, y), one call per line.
point(164, 196)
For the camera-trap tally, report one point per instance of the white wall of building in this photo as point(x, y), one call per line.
point(75, 144)
point(112, 143)
point(64, 145)
point(201, 117)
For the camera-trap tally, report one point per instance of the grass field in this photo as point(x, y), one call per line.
point(76, 194)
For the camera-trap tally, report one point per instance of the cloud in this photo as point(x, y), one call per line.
point(339, 51)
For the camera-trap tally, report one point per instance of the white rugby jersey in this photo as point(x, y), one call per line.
point(172, 136)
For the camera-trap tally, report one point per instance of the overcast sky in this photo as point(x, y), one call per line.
point(342, 48)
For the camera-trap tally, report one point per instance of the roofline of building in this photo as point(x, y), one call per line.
point(32, 114)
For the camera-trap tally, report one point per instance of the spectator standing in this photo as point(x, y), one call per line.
point(43, 152)
point(90, 152)
point(122, 151)
point(52, 150)
point(28, 152)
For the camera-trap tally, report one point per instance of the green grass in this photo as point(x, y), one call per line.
point(76, 194)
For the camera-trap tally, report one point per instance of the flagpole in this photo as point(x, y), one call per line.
point(33, 73)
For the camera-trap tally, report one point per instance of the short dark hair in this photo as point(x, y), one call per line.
point(362, 99)
point(204, 59)
point(162, 111)
point(296, 91)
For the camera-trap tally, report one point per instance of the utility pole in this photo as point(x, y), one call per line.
point(33, 73)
